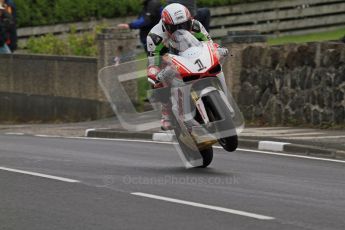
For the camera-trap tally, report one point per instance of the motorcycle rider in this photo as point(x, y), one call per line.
point(174, 17)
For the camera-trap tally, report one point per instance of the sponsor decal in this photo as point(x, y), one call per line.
point(156, 39)
point(178, 12)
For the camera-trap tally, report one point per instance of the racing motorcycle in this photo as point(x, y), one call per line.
point(203, 112)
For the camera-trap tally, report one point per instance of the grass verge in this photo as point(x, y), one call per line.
point(313, 37)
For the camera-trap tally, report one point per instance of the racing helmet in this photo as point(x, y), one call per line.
point(176, 17)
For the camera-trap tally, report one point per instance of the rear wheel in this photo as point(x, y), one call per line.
point(207, 157)
point(207, 154)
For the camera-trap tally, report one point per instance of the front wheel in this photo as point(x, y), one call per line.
point(217, 110)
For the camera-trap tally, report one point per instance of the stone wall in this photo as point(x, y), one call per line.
point(73, 77)
point(50, 88)
point(41, 87)
point(293, 84)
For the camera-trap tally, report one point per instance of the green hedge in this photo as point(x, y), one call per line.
point(46, 12)
point(75, 44)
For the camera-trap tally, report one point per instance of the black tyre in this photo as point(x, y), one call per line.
point(207, 154)
point(207, 157)
point(217, 110)
point(229, 143)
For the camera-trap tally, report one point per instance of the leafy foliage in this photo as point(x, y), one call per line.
point(75, 44)
point(46, 12)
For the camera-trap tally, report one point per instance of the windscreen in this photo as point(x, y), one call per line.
point(181, 40)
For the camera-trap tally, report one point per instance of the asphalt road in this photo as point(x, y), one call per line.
point(139, 185)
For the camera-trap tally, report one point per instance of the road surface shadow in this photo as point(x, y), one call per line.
point(183, 171)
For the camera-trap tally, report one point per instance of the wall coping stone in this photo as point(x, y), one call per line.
point(49, 57)
point(244, 36)
point(114, 33)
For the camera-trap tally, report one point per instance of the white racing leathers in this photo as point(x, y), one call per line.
point(157, 46)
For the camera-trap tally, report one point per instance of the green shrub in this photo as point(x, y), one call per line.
point(24, 12)
point(75, 44)
point(45, 12)
point(82, 45)
point(48, 44)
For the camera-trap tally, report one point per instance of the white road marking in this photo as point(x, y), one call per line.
point(321, 137)
point(302, 134)
point(283, 135)
point(42, 135)
point(19, 134)
point(194, 204)
point(290, 155)
point(119, 139)
point(40, 175)
point(278, 130)
point(216, 147)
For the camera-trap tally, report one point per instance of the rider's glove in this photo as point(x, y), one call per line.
point(152, 72)
point(166, 74)
point(161, 76)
